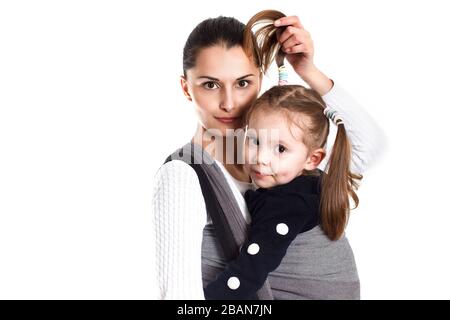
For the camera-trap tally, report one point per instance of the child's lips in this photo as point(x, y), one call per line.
point(260, 174)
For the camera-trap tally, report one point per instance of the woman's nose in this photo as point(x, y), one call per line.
point(227, 102)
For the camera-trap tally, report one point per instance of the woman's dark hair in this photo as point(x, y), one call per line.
point(225, 31)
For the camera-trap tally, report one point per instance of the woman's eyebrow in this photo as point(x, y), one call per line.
point(208, 77)
point(247, 75)
point(215, 79)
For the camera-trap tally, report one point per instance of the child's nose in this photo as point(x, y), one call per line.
point(263, 157)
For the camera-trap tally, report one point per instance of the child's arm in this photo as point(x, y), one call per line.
point(275, 225)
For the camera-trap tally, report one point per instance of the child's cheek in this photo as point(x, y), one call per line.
point(284, 171)
point(276, 166)
point(282, 178)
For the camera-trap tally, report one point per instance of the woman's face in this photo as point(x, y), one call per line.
point(222, 85)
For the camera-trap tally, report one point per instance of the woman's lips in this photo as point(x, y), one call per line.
point(228, 120)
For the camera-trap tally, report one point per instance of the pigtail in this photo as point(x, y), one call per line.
point(263, 44)
point(338, 184)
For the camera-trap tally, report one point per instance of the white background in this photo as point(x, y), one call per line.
point(90, 106)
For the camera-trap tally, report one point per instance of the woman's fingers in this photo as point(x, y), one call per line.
point(291, 38)
point(294, 39)
point(301, 48)
point(290, 42)
point(288, 21)
point(285, 34)
point(300, 34)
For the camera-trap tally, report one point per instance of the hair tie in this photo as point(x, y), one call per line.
point(282, 75)
point(333, 116)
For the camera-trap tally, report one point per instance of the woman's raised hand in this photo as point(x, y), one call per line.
point(296, 42)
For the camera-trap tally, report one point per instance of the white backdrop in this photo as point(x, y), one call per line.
point(90, 106)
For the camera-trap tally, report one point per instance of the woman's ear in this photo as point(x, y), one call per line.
point(315, 159)
point(184, 87)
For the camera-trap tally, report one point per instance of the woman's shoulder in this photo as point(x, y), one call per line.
point(177, 190)
point(177, 176)
point(175, 168)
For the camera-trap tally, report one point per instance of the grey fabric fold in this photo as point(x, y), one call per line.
point(228, 203)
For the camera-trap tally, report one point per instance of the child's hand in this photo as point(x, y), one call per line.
point(296, 42)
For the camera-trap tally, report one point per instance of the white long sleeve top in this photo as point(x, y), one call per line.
point(180, 213)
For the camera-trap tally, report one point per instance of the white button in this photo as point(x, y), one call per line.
point(282, 228)
point(253, 249)
point(233, 283)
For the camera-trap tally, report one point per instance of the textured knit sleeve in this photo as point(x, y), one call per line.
point(179, 218)
point(368, 140)
point(274, 226)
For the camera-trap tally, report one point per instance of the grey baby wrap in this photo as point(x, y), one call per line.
point(314, 266)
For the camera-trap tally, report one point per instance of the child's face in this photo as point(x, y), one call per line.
point(274, 151)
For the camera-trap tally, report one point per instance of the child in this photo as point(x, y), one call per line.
point(293, 195)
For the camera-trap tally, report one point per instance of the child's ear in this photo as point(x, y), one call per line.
point(184, 87)
point(315, 159)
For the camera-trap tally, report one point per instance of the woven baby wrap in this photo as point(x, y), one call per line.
point(314, 267)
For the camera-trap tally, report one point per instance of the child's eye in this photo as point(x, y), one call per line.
point(210, 85)
point(253, 141)
point(243, 83)
point(281, 148)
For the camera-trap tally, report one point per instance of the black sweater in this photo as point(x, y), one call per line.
point(278, 214)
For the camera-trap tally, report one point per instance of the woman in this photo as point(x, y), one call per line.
point(222, 81)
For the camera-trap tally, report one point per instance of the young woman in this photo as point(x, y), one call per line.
point(222, 81)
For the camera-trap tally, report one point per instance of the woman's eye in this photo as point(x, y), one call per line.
point(243, 83)
point(281, 148)
point(210, 85)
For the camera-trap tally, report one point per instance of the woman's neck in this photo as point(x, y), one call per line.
point(224, 150)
